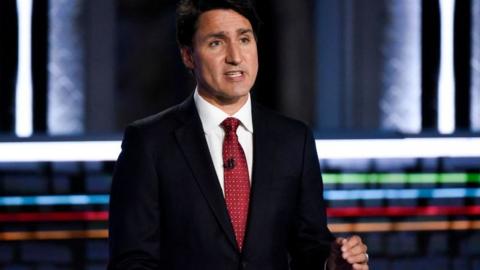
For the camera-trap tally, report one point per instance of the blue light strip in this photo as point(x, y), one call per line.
point(330, 195)
point(375, 194)
point(53, 200)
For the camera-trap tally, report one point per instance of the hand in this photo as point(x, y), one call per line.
point(348, 253)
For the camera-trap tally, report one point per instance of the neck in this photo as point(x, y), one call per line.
point(229, 106)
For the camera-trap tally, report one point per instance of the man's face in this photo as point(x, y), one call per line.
point(223, 57)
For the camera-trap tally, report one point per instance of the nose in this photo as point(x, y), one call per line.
point(234, 55)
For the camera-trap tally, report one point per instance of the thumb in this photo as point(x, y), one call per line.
point(340, 241)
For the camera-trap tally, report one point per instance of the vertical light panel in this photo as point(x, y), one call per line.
point(23, 94)
point(446, 84)
point(401, 79)
point(66, 67)
point(475, 65)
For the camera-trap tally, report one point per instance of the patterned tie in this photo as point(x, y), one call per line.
point(236, 182)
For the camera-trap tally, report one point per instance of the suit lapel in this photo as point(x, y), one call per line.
point(261, 176)
point(191, 139)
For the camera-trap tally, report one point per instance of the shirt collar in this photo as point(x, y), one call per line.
point(211, 116)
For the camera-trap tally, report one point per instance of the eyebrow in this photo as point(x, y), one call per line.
point(243, 31)
point(223, 34)
point(220, 34)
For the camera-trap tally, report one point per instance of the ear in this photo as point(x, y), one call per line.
point(187, 57)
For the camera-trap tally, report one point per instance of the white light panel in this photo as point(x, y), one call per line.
point(23, 94)
point(59, 151)
point(446, 84)
point(398, 148)
point(327, 149)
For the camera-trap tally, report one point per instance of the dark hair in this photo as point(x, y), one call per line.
point(188, 12)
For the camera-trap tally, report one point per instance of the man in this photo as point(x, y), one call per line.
point(219, 182)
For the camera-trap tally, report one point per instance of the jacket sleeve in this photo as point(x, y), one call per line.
point(134, 207)
point(310, 238)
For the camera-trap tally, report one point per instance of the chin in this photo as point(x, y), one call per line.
point(233, 98)
point(241, 91)
point(240, 95)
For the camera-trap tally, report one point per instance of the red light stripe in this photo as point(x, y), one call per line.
point(54, 216)
point(458, 225)
point(403, 211)
point(331, 212)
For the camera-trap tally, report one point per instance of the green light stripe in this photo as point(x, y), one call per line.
point(401, 178)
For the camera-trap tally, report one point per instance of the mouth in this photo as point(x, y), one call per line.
point(234, 73)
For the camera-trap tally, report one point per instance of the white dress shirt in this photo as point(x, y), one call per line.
point(211, 118)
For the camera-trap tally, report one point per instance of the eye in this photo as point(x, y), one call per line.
point(214, 43)
point(245, 40)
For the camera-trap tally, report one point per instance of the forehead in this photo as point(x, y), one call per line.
point(221, 20)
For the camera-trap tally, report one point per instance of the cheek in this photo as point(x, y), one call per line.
point(202, 67)
point(209, 65)
point(253, 59)
point(209, 73)
point(254, 65)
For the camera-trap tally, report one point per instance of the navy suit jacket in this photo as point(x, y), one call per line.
point(167, 209)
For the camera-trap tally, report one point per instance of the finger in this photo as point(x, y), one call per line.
point(358, 266)
point(357, 258)
point(358, 249)
point(340, 240)
point(352, 241)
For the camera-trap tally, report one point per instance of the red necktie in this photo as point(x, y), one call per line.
point(236, 179)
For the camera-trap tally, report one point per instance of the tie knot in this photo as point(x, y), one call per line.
point(230, 124)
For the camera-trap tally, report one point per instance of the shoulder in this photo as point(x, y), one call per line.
point(278, 123)
point(161, 125)
point(161, 120)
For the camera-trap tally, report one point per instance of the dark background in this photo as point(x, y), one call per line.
point(348, 68)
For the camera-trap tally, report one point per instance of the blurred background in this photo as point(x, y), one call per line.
point(390, 88)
